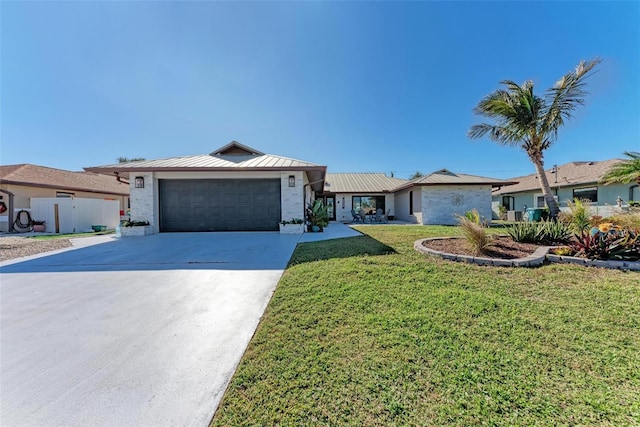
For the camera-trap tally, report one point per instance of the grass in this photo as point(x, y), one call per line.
point(368, 332)
point(70, 235)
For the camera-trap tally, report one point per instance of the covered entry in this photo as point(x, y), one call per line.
point(219, 204)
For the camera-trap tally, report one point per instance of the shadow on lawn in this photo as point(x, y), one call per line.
point(339, 248)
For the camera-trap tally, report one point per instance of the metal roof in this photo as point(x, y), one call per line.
point(569, 174)
point(41, 176)
point(240, 157)
point(360, 183)
point(446, 177)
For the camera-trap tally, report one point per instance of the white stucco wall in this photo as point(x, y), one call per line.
point(402, 205)
point(343, 210)
point(293, 198)
point(441, 203)
point(144, 200)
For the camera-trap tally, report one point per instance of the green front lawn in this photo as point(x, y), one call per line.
point(70, 235)
point(366, 331)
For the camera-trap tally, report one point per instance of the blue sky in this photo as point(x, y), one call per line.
point(356, 86)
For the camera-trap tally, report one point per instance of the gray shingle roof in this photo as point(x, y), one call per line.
point(41, 176)
point(569, 174)
point(360, 183)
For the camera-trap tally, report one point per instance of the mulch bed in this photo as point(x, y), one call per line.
point(500, 247)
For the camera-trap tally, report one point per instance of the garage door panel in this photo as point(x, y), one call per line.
point(219, 205)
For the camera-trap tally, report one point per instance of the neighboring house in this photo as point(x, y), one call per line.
point(571, 180)
point(28, 181)
point(234, 188)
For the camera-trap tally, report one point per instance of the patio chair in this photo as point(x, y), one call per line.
point(380, 215)
point(386, 216)
point(355, 217)
point(363, 215)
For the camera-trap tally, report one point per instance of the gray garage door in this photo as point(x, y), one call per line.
point(219, 204)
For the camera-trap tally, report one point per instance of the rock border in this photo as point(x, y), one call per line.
point(536, 259)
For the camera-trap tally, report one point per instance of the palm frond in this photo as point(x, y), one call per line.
point(566, 95)
point(626, 171)
point(500, 134)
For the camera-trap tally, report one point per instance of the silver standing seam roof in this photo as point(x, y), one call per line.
point(232, 157)
point(360, 183)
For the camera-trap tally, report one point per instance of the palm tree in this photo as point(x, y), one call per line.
point(525, 120)
point(626, 171)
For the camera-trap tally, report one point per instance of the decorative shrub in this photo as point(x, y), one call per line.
point(131, 223)
point(475, 233)
point(293, 221)
point(563, 251)
point(540, 232)
point(579, 216)
point(607, 242)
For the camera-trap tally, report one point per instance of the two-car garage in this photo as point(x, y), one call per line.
point(219, 204)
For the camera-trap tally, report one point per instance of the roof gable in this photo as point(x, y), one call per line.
point(234, 148)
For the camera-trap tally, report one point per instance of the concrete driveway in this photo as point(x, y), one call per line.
point(133, 331)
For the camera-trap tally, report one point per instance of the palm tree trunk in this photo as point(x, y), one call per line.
point(546, 188)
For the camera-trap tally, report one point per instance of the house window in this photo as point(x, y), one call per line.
point(634, 193)
point(508, 202)
point(63, 194)
point(369, 203)
point(540, 202)
point(410, 202)
point(587, 193)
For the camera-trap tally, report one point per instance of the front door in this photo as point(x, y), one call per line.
point(330, 203)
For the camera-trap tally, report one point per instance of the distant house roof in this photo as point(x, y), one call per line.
point(232, 157)
point(569, 174)
point(45, 177)
point(360, 183)
point(446, 177)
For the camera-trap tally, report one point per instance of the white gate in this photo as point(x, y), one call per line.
point(75, 215)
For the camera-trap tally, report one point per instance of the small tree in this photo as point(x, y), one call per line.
point(523, 119)
point(127, 160)
point(418, 174)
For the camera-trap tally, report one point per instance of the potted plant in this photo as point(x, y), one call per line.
point(295, 226)
point(132, 228)
point(317, 216)
point(38, 225)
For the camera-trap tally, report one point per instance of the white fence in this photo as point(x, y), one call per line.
point(75, 215)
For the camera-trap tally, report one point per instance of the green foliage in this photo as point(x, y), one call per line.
point(128, 160)
point(474, 232)
point(579, 217)
point(620, 245)
point(628, 220)
point(523, 232)
point(37, 222)
point(317, 214)
point(131, 223)
point(543, 232)
point(417, 174)
point(520, 118)
point(626, 171)
point(563, 251)
point(293, 221)
point(473, 216)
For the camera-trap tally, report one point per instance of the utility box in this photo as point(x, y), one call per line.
point(514, 216)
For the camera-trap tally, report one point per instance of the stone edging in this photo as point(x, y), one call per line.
point(534, 260)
